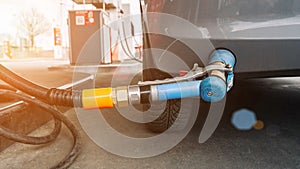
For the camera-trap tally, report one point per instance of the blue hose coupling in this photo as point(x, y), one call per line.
point(222, 55)
point(175, 90)
point(214, 87)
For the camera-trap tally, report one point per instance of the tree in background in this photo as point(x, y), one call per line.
point(32, 24)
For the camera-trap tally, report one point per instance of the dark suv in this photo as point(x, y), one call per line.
point(264, 36)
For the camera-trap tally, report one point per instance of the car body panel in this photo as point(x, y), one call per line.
point(264, 35)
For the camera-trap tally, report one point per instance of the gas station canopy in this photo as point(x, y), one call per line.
point(109, 4)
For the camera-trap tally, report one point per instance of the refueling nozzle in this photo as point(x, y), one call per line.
point(219, 80)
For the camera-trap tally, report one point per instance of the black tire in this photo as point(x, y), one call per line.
point(167, 118)
point(168, 114)
point(165, 113)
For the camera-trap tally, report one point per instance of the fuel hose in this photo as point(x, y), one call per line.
point(51, 96)
point(45, 99)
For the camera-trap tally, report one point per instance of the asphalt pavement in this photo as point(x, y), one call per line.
point(275, 146)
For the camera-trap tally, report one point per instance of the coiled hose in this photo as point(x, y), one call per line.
point(46, 96)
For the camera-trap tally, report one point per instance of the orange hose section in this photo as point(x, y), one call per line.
point(97, 98)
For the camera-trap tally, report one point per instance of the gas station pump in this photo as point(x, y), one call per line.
point(83, 26)
point(7, 49)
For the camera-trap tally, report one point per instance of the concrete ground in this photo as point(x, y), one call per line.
point(276, 146)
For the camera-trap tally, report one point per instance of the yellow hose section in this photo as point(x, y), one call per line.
point(97, 98)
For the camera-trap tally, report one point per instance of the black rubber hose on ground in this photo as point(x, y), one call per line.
point(52, 96)
point(20, 138)
point(21, 84)
point(70, 158)
point(47, 96)
point(11, 135)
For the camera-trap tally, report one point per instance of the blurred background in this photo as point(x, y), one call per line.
point(40, 29)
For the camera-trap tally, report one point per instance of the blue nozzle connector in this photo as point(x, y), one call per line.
point(214, 88)
point(211, 89)
point(178, 90)
point(222, 55)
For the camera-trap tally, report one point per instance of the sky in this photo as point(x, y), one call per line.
point(11, 9)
